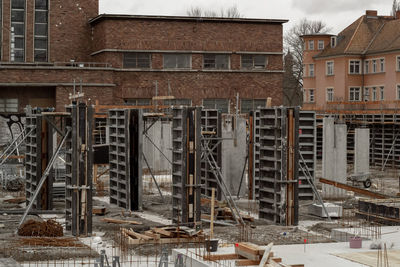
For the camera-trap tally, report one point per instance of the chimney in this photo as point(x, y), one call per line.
point(371, 13)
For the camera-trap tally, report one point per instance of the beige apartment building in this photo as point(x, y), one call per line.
point(359, 69)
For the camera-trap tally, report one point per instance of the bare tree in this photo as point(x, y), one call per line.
point(230, 12)
point(395, 8)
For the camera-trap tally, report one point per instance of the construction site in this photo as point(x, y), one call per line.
point(165, 141)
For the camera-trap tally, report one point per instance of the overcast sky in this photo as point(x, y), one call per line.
point(337, 14)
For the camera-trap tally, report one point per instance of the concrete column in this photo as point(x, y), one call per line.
point(361, 147)
point(334, 157)
point(234, 154)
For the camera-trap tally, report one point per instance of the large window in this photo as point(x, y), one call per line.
point(354, 94)
point(17, 31)
point(41, 30)
point(355, 67)
point(221, 104)
point(177, 61)
point(214, 61)
point(329, 94)
point(137, 60)
point(311, 70)
point(8, 105)
point(247, 105)
point(254, 61)
point(329, 68)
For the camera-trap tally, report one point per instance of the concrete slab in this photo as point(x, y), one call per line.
point(334, 211)
point(361, 147)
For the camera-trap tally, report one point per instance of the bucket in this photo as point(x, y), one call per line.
point(212, 245)
point(355, 242)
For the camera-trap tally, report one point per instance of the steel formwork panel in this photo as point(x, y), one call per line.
point(307, 148)
point(79, 169)
point(277, 193)
point(125, 155)
point(186, 154)
point(211, 121)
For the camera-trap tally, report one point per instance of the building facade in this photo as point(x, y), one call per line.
point(357, 69)
point(48, 46)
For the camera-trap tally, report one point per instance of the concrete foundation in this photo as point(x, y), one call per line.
point(334, 211)
point(234, 153)
point(334, 157)
point(361, 147)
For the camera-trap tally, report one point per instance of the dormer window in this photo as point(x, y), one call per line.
point(333, 41)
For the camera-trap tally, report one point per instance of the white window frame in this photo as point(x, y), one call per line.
point(311, 95)
point(352, 63)
point(311, 45)
point(382, 63)
point(329, 94)
point(311, 70)
point(398, 91)
point(333, 41)
point(366, 93)
point(374, 94)
point(366, 66)
point(321, 45)
point(374, 66)
point(352, 91)
point(327, 68)
point(381, 93)
point(398, 63)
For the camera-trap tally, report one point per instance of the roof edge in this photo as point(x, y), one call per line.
point(185, 18)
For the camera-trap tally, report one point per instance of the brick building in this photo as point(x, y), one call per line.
point(47, 44)
point(356, 70)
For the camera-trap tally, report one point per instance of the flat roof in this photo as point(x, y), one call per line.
point(184, 18)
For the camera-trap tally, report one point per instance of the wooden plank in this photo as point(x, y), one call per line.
point(251, 248)
point(219, 257)
point(246, 263)
point(99, 210)
point(132, 233)
point(166, 97)
point(163, 232)
point(247, 254)
point(353, 189)
point(132, 241)
point(266, 255)
point(117, 221)
point(212, 213)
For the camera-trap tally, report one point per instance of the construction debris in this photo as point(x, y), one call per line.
point(52, 242)
point(48, 228)
point(17, 200)
point(117, 221)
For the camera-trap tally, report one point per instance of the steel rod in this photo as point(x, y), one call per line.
point(151, 141)
point(154, 178)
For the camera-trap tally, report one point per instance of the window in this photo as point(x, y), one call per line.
point(41, 29)
point(214, 61)
point(247, 105)
point(329, 94)
point(311, 70)
point(311, 96)
point(398, 92)
point(177, 61)
point(320, 45)
point(254, 61)
point(382, 92)
point(354, 67)
point(329, 68)
point(139, 102)
point(382, 63)
point(310, 45)
point(366, 66)
point(178, 102)
point(374, 94)
point(366, 94)
point(374, 66)
point(8, 105)
point(354, 94)
point(304, 95)
point(17, 51)
point(333, 41)
point(221, 104)
point(398, 63)
point(137, 60)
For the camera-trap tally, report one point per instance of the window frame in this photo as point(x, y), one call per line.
point(7, 107)
point(352, 64)
point(398, 91)
point(13, 50)
point(176, 61)
point(398, 63)
point(365, 95)
point(215, 104)
point(311, 45)
point(327, 68)
point(382, 93)
point(311, 70)
point(329, 94)
point(354, 90)
point(311, 95)
point(253, 66)
point(382, 63)
point(215, 61)
point(319, 45)
point(366, 66)
point(374, 93)
point(149, 55)
point(374, 66)
point(253, 104)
